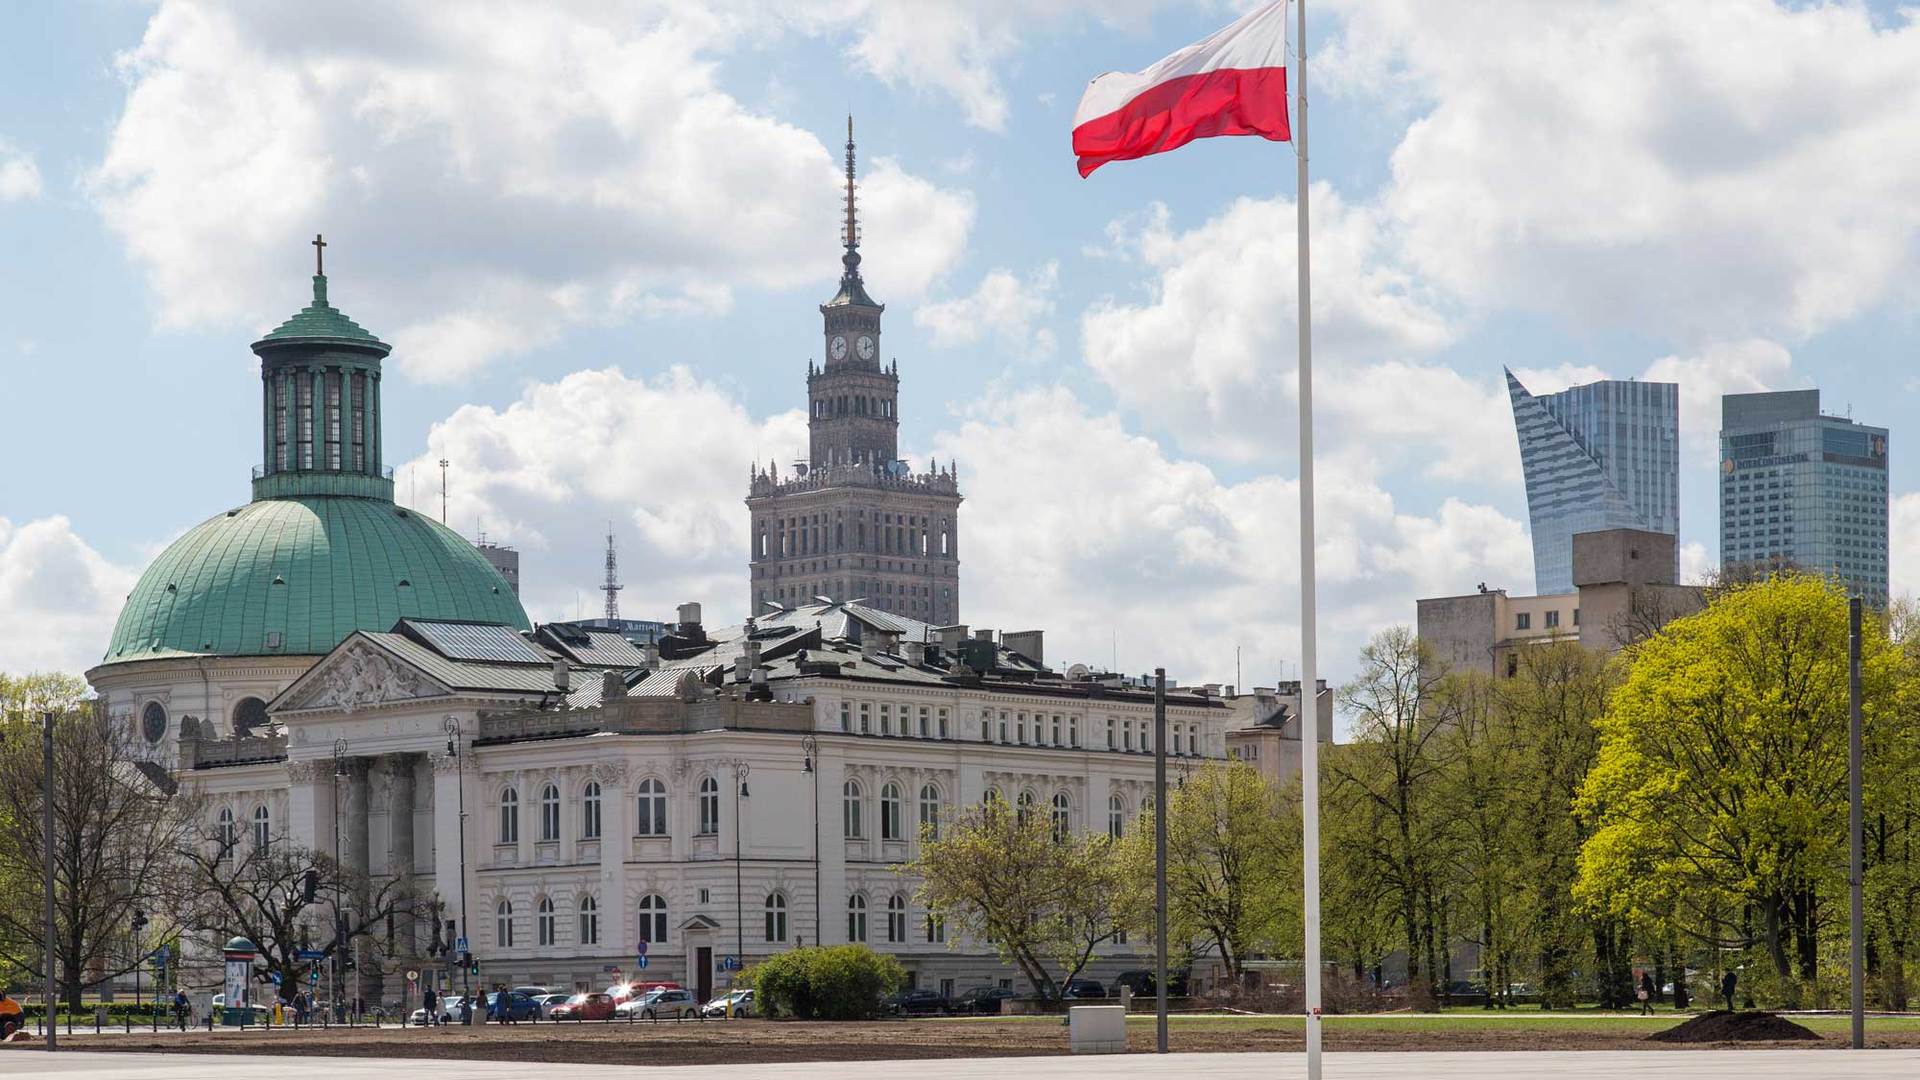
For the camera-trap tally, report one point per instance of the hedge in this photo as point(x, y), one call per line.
point(833, 982)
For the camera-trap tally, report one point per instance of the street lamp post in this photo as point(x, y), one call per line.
point(810, 747)
point(46, 859)
point(452, 726)
point(740, 770)
point(339, 770)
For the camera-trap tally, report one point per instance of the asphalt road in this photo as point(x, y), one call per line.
point(1678, 1064)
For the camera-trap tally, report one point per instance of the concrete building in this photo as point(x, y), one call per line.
point(1263, 728)
point(1600, 456)
point(854, 521)
point(502, 558)
point(1799, 488)
point(1624, 589)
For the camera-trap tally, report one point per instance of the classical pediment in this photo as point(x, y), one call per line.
point(359, 676)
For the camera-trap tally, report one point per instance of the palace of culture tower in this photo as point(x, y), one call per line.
point(853, 521)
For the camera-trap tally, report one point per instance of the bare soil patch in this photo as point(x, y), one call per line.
point(1724, 1027)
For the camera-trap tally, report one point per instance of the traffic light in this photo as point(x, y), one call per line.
point(309, 885)
point(473, 965)
point(139, 921)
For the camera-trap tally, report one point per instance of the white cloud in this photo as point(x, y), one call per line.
point(494, 178)
point(664, 459)
point(1003, 307)
point(19, 176)
point(1738, 367)
point(1210, 351)
point(1659, 162)
point(60, 595)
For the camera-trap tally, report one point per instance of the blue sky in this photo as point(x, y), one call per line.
point(598, 242)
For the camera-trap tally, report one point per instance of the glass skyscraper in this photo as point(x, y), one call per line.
point(1801, 489)
point(1600, 456)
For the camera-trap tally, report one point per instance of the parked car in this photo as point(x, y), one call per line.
point(533, 991)
point(548, 1001)
point(518, 1006)
point(260, 1012)
point(1142, 984)
point(922, 1002)
point(585, 1007)
point(983, 1000)
point(448, 1007)
point(742, 1001)
point(662, 1003)
point(1083, 988)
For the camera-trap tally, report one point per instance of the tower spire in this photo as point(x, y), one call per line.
point(851, 230)
point(612, 587)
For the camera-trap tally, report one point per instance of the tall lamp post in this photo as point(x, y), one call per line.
point(810, 747)
point(452, 726)
point(46, 802)
point(740, 770)
point(339, 927)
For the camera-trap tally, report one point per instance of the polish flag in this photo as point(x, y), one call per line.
point(1233, 83)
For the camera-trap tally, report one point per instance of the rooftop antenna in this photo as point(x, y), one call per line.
point(612, 586)
point(443, 491)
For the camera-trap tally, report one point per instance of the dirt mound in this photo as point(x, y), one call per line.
point(1723, 1026)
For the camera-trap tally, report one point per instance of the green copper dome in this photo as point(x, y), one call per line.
point(295, 576)
point(321, 322)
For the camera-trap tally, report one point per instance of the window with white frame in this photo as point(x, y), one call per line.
point(1023, 807)
point(545, 922)
point(776, 917)
point(509, 816)
point(936, 929)
point(550, 813)
point(940, 720)
point(1073, 730)
point(1126, 734)
point(986, 726)
point(262, 827)
point(1020, 728)
point(846, 716)
point(850, 809)
point(1062, 815)
point(1003, 725)
point(653, 919)
point(1057, 732)
point(503, 924)
point(897, 919)
point(652, 817)
point(1113, 734)
point(856, 918)
point(926, 722)
point(709, 806)
point(1116, 816)
point(225, 834)
point(589, 921)
point(930, 811)
point(866, 716)
point(590, 811)
point(886, 719)
point(890, 811)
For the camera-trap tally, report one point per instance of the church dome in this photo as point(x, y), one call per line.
point(295, 576)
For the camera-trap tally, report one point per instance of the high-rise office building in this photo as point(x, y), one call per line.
point(1801, 489)
point(1600, 456)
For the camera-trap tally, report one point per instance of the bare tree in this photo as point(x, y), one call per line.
point(113, 836)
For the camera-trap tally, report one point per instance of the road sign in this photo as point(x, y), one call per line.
point(307, 954)
point(642, 950)
point(275, 976)
point(641, 962)
point(162, 952)
point(730, 963)
point(412, 975)
point(460, 944)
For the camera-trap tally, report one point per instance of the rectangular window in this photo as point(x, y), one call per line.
point(886, 720)
point(1553, 619)
point(866, 725)
point(926, 722)
point(1523, 621)
point(1576, 616)
point(1056, 729)
point(279, 421)
point(1126, 727)
point(1020, 729)
point(303, 419)
point(942, 721)
point(332, 384)
point(1003, 725)
point(359, 434)
point(846, 716)
point(1073, 731)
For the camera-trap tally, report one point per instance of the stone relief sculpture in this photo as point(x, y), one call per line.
point(364, 677)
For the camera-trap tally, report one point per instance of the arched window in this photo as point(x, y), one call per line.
point(1062, 815)
point(1116, 816)
point(890, 812)
point(503, 924)
point(509, 816)
point(653, 919)
point(897, 919)
point(709, 806)
point(224, 833)
point(550, 813)
point(857, 918)
point(930, 811)
point(590, 811)
point(1023, 808)
point(262, 826)
point(776, 917)
point(652, 817)
point(850, 809)
point(589, 921)
point(249, 716)
point(544, 922)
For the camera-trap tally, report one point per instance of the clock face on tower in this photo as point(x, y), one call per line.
point(864, 347)
point(837, 348)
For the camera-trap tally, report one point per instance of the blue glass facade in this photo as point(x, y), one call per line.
point(1600, 456)
point(1801, 489)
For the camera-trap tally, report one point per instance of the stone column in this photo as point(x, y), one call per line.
point(401, 785)
point(832, 901)
point(616, 844)
point(310, 804)
point(353, 855)
point(446, 837)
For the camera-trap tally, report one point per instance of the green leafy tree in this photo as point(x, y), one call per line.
point(1045, 900)
point(832, 982)
point(1719, 794)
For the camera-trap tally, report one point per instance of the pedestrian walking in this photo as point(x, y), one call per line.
point(1727, 984)
point(429, 1011)
point(1647, 990)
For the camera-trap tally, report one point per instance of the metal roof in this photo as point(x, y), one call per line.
point(487, 642)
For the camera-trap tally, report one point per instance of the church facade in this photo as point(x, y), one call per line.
point(854, 520)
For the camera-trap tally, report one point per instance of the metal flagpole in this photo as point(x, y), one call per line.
point(1309, 682)
point(1856, 919)
point(1160, 860)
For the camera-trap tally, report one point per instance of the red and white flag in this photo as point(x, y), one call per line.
point(1233, 83)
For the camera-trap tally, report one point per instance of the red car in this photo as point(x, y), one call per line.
point(584, 1007)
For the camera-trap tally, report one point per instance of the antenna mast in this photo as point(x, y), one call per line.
point(443, 491)
point(612, 586)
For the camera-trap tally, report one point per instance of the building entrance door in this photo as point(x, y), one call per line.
point(703, 973)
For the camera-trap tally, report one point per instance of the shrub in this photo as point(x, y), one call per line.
point(836, 982)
